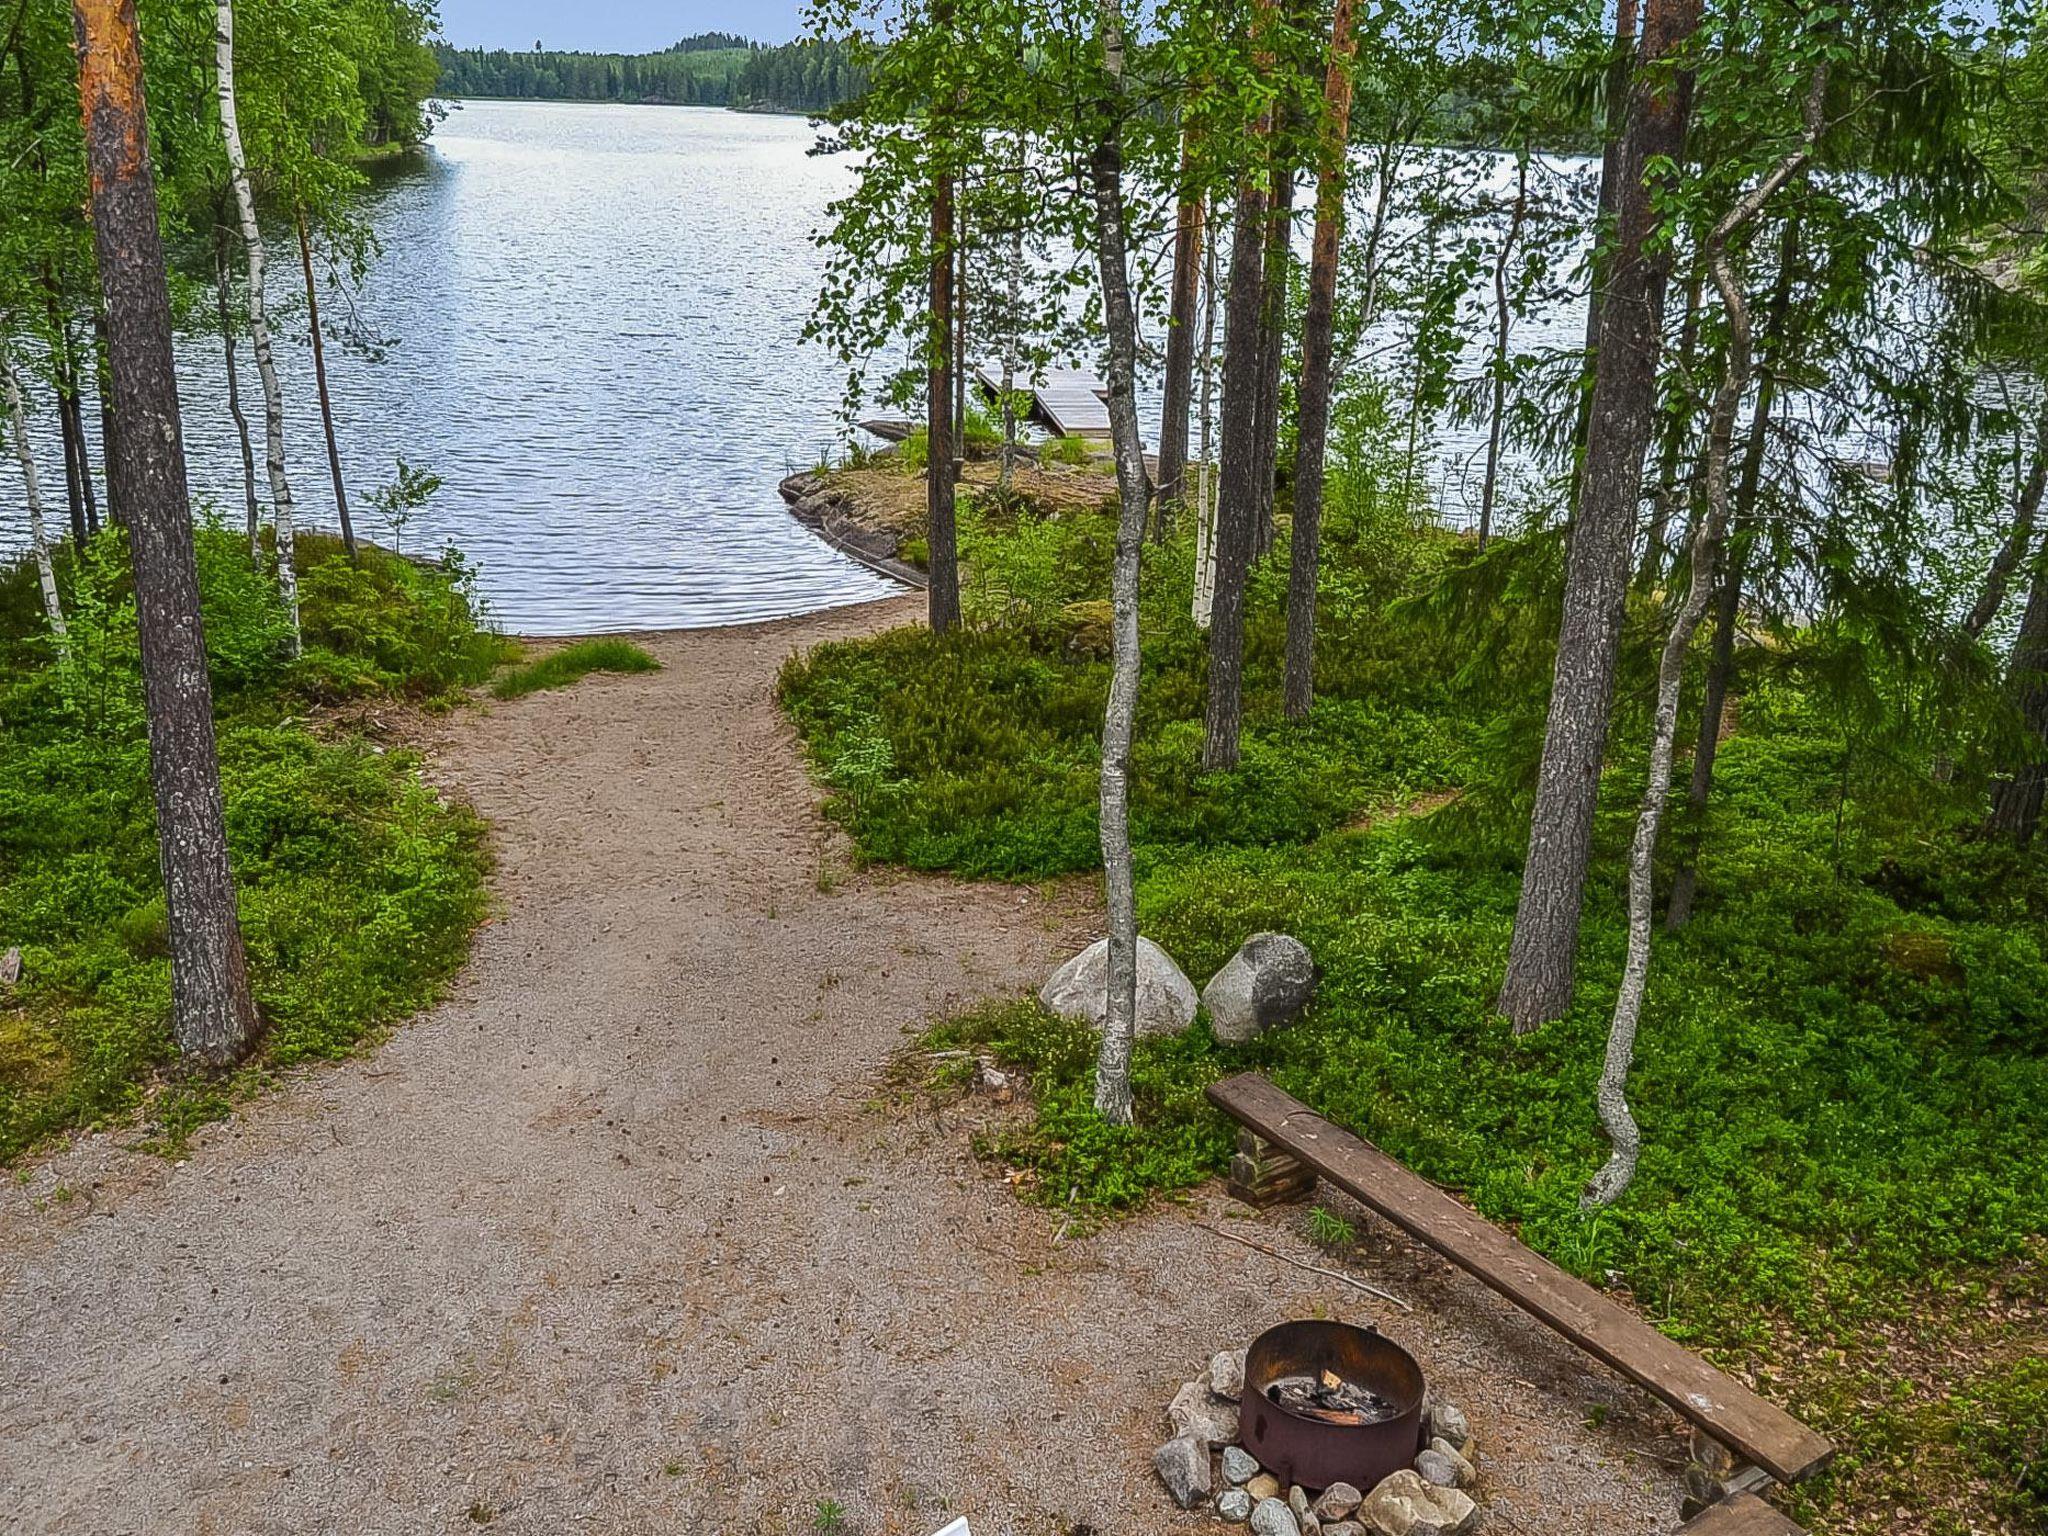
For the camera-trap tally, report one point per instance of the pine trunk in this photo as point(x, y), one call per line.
point(2016, 801)
point(1620, 70)
point(1503, 320)
point(213, 1015)
point(283, 513)
point(1113, 1068)
point(1543, 955)
point(1205, 465)
point(1188, 240)
point(1318, 330)
point(1279, 256)
point(348, 527)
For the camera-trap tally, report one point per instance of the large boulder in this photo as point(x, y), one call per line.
point(1080, 989)
point(1265, 984)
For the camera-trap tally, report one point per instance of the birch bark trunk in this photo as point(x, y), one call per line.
point(2026, 509)
point(282, 511)
point(1205, 467)
point(1503, 320)
point(38, 532)
point(1113, 1067)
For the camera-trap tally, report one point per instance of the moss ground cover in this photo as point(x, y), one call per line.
point(558, 669)
point(359, 886)
point(1843, 1073)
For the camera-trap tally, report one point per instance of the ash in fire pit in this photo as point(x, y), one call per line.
point(1329, 1397)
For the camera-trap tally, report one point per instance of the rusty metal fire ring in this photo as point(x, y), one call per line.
point(1316, 1450)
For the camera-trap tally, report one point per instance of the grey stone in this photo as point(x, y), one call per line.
point(1310, 1525)
point(1447, 1421)
point(1264, 1486)
point(1080, 989)
point(1226, 1374)
point(10, 967)
point(1404, 1505)
point(1345, 1528)
point(1467, 1473)
point(1339, 1502)
point(1239, 1465)
point(1265, 984)
point(1297, 1500)
point(1271, 1517)
point(1234, 1505)
point(1194, 1412)
point(1435, 1467)
point(1183, 1465)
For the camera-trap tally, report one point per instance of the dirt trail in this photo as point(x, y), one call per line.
point(617, 1239)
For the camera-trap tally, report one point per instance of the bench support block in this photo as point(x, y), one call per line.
point(1262, 1175)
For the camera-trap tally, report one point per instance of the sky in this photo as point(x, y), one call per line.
point(612, 26)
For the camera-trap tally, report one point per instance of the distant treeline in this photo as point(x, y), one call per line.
point(714, 69)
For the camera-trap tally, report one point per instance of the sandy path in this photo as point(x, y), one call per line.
point(618, 1240)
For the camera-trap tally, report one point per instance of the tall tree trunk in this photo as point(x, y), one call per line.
point(1542, 958)
point(2016, 801)
point(1113, 1068)
point(223, 283)
point(1620, 71)
point(1205, 465)
point(960, 352)
point(283, 513)
point(1503, 320)
point(213, 1015)
point(1013, 300)
point(1312, 429)
point(110, 429)
point(348, 527)
point(2026, 509)
point(38, 531)
point(1279, 260)
point(1623, 1134)
point(64, 371)
point(1188, 243)
point(1237, 495)
point(942, 594)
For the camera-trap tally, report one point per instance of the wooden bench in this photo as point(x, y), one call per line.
point(1740, 1514)
point(1754, 1430)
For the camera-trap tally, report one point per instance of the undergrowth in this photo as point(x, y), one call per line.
point(358, 885)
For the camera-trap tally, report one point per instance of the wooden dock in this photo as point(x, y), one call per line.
point(1069, 402)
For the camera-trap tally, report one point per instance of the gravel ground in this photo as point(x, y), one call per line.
point(627, 1237)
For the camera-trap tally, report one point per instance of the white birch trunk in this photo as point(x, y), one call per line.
point(38, 531)
point(259, 320)
point(1624, 1136)
point(1119, 1029)
point(1013, 298)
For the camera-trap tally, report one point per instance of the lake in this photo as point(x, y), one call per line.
point(594, 317)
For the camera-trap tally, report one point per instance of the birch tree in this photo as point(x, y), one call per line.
point(38, 534)
point(283, 515)
point(1106, 174)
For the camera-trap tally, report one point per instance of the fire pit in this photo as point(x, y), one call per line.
point(1331, 1403)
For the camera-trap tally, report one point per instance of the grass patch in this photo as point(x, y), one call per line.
point(359, 887)
point(558, 669)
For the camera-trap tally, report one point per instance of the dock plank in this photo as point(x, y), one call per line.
point(1757, 1430)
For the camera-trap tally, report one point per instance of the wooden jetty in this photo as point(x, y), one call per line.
point(1068, 402)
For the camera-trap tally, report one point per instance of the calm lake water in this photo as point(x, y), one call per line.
point(594, 316)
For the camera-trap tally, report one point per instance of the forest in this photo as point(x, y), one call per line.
point(714, 69)
point(1659, 795)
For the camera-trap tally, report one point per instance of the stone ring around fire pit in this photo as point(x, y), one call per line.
point(1324, 1429)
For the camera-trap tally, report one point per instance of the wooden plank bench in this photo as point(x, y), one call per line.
point(1740, 1514)
point(1755, 1430)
